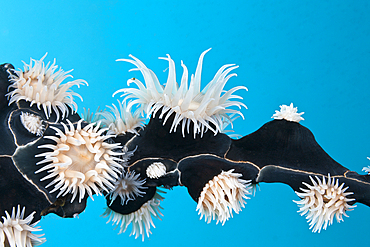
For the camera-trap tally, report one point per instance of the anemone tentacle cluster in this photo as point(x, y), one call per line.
point(128, 187)
point(32, 123)
point(322, 201)
point(288, 113)
point(81, 160)
point(223, 194)
point(141, 219)
point(41, 85)
point(17, 231)
point(120, 120)
point(206, 109)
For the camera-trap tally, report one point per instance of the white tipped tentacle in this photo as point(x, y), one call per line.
point(141, 220)
point(120, 120)
point(127, 187)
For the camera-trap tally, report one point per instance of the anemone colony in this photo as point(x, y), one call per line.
point(51, 160)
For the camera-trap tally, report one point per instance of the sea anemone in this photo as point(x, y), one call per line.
point(42, 85)
point(81, 160)
point(16, 231)
point(128, 187)
point(223, 194)
point(322, 201)
point(206, 109)
point(121, 120)
point(32, 123)
point(141, 219)
point(156, 170)
point(288, 113)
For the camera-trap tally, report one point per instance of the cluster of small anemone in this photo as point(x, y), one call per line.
point(81, 160)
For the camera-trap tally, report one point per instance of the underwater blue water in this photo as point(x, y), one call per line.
point(315, 54)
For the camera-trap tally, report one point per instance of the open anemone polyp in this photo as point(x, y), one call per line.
point(288, 113)
point(223, 194)
point(120, 120)
point(16, 231)
point(42, 86)
point(128, 187)
point(141, 219)
point(323, 200)
point(81, 160)
point(206, 109)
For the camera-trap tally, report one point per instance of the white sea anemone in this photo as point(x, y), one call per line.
point(81, 161)
point(323, 200)
point(128, 187)
point(206, 109)
point(121, 120)
point(42, 85)
point(32, 123)
point(141, 219)
point(16, 231)
point(156, 170)
point(288, 113)
point(223, 194)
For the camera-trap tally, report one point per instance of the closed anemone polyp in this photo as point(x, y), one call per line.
point(222, 195)
point(205, 109)
point(32, 123)
point(156, 170)
point(120, 120)
point(128, 187)
point(81, 160)
point(141, 219)
point(41, 85)
point(288, 113)
point(322, 201)
point(17, 231)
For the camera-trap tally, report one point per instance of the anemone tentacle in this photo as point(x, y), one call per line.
point(141, 220)
point(120, 120)
point(128, 186)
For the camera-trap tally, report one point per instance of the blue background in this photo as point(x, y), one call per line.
point(315, 54)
